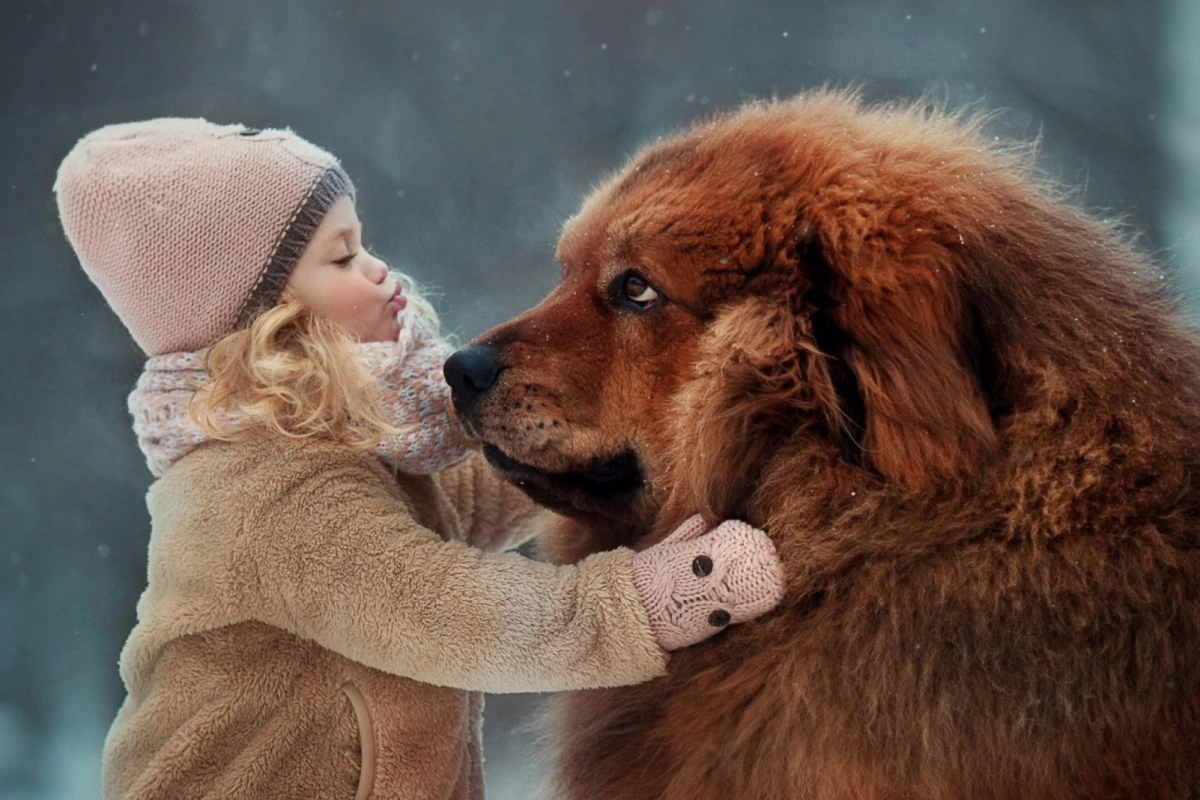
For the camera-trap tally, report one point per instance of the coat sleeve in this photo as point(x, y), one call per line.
point(494, 515)
point(340, 560)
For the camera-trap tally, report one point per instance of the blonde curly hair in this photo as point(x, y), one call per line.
point(295, 373)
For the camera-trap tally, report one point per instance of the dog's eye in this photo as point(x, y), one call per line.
point(637, 290)
point(632, 291)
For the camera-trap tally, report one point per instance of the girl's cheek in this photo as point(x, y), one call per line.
point(348, 299)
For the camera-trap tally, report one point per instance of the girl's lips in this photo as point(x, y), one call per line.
point(398, 301)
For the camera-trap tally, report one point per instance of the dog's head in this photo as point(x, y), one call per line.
point(808, 274)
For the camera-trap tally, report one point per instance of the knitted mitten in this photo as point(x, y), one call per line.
point(697, 581)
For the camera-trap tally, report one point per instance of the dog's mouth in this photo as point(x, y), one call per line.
point(602, 479)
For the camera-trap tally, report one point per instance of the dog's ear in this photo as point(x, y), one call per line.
point(893, 324)
point(884, 364)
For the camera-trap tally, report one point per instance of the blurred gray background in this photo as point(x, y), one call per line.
point(472, 131)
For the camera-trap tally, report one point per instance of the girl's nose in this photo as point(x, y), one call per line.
point(376, 269)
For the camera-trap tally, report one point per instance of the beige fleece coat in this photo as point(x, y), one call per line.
point(315, 628)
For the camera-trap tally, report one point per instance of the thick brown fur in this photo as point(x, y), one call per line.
point(965, 411)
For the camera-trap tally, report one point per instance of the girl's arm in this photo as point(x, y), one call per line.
point(340, 560)
point(493, 514)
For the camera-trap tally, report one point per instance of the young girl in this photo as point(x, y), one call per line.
point(318, 624)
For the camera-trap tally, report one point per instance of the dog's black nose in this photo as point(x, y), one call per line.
point(470, 373)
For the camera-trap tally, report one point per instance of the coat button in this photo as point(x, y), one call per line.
point(702, 565)
point(719, 618)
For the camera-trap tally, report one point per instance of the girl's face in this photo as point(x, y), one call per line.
point(341, 281)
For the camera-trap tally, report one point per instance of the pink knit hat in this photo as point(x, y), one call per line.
point(190, 229)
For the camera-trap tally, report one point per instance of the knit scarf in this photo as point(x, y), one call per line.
point(408, 373)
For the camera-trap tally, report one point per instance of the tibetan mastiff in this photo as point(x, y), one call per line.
point(966, 411)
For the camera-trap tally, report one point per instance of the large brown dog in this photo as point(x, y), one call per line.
point(963, 409)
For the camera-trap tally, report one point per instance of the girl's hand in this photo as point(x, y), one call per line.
point(697, 581)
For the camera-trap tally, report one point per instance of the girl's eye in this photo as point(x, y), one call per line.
point(637, 290)
point(342, 262)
